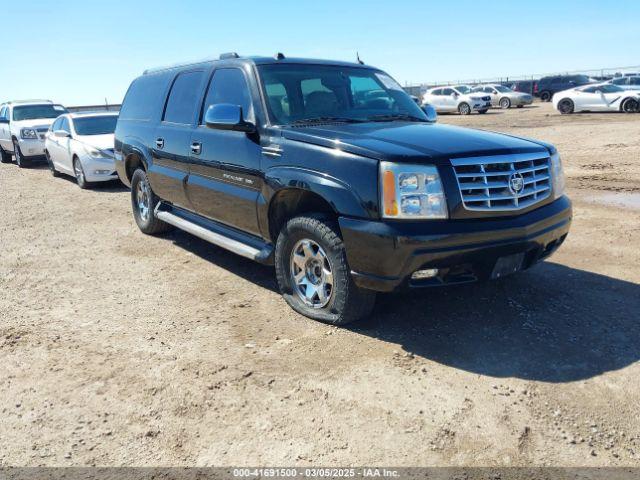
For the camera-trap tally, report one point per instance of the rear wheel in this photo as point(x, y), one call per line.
point(545, 96)
point(4, 156)
point(520, 106)
point(313, 274)
point(464, 108)
point(505, 103)
point(482, 111)
point(144, 202)
point(565, 106)
point(52, 168)
point(20, 160)
point(630, 105)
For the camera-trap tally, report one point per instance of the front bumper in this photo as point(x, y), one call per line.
point(383, 256)
point(31, 147)
point(99, 169)
point(480, 105)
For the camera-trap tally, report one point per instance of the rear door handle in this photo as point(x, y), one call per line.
point(160, 143)
point(196, 148)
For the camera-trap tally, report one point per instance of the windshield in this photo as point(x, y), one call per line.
point(463, 89)
point(303, 93)
point(98, 125)
point(502, 89)
point(32, 112)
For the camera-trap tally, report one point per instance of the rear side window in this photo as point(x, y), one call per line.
point(185, 92)
point(228, 85)
point(143, 97)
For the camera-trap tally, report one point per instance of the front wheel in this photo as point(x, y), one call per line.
point(505, 103)
point(482, 111)
point(464, 109)
point(20, 160)
point(630, 106)
point(81, 179)
point(144, 202)
point(313, 273)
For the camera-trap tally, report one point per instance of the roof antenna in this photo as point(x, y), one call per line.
point(358, 57)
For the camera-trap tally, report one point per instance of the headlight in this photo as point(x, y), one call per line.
point(28, 133)
point(557, 175)
point(411, 192)
point(96, 153)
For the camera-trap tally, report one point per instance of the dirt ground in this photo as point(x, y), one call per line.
point(118, 348)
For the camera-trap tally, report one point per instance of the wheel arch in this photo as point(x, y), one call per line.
point(625, 99)
point(293, 191)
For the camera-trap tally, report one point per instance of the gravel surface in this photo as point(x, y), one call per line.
point(118, 348)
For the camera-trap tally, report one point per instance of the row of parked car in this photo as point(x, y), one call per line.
point(327, 170)
point(76, 144)
point(569, 93)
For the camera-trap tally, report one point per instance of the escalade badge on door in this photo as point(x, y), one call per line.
point(516, 183)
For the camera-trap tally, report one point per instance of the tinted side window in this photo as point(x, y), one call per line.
point(183, 98)
point(447, 91)
point(228, 85)
point(143, 97)
point(634, 81)
point(436, 91)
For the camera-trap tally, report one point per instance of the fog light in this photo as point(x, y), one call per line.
point(101, 172)
point(422, 274)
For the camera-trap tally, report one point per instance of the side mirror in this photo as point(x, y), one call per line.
point(430, 111)
point(61, 134)
point(224, 116)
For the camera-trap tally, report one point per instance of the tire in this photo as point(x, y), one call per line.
point(482, 111)
point(20, 160)
point(630, 105)
point(4, 156)
point(143, 203)
point(566, 106)
point(520, 106)
point(545, 96)
point(78, 171)
point(52, 168)
point(505, 103)
point(322, 266)
point(464, 108)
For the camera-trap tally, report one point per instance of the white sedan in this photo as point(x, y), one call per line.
point(597, 98)
point(81, 145)
point(456, 99)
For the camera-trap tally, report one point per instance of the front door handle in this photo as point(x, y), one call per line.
point(196, 148)
point(160, 143)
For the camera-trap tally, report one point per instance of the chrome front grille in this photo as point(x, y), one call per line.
point(487, 183)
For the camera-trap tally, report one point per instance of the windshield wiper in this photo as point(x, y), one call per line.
point(325, 119)
point(396, 116)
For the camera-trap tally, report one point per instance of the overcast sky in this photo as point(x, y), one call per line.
point(81, 52)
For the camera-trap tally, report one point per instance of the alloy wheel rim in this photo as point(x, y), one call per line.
point(16, 150)
point(464, 109)
point(504, 104)
point(142, 200)
point(565, 107)
point(79, 172)
point(630, 106)
point(311, 273)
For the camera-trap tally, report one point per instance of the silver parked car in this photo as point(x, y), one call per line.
point(504, 97)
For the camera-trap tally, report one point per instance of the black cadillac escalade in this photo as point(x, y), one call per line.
point(330, 171)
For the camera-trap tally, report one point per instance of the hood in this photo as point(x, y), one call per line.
point(35, 123)
point(101, 142)
point(412, 142)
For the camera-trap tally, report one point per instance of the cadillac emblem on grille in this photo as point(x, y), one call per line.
point(516, 183)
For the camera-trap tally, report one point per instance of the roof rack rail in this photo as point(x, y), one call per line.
point(224, 56)
point(30, 100)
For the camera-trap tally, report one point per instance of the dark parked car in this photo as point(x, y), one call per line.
point(523, 86)
point(547, 86)
point(330, 171)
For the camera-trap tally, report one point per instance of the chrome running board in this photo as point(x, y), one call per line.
point(216, 233)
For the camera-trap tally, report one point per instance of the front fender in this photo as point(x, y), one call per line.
point(342, 198)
